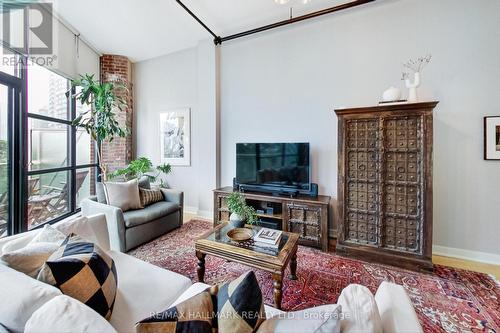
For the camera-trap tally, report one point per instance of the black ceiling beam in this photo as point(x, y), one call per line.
point(216, 38)
point(219, 40)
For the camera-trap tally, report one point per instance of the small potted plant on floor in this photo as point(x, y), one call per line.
point(241, 213)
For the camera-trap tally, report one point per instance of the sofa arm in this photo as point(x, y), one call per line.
point(173, 196)
point(396, 310)
point(114, 220)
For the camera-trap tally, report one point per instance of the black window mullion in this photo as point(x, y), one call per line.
point(50, 119)
point(72, 148)
point(21, 130)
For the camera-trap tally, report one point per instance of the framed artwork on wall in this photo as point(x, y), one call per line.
point(175, 136)
point(492, 138)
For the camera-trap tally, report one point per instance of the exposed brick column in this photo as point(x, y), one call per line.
point(115, 68)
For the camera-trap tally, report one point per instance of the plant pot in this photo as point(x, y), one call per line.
point(236, 221)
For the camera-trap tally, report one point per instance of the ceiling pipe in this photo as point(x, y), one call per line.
point(219, 40)
point(297, 19)
point(216, 38)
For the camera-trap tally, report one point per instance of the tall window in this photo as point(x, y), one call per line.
point(47, 166)
point(60, 165)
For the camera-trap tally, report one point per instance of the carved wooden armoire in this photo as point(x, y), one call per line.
point(385, 184)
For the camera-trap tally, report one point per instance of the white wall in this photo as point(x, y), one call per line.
point(181, 79)
point(283, 85)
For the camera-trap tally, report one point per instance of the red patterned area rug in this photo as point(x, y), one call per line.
point(449, 300)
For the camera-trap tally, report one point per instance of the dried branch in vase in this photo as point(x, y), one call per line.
point(416, 66)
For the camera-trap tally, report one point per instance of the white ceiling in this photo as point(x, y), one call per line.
point(144, 29)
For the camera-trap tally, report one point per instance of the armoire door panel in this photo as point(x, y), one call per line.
point(363, 172)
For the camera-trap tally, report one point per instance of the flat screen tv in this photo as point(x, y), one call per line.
point(273, 166)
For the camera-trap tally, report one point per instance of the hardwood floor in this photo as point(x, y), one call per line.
point(440, 260)
point(469, 265)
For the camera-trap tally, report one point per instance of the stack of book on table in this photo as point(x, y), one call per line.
point(268, 238)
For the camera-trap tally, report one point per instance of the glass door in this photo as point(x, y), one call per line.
point(10, 99)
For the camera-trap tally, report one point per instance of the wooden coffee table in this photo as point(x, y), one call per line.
point(216, 242)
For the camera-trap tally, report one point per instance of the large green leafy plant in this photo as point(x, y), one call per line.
point(236, 204)
point(143, 167)
point(100, 121)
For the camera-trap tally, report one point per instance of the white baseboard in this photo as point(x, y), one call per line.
point(205, 214)
point(483, 257)
point(191, 210)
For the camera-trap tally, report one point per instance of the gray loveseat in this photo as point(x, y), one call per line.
point(130, 229)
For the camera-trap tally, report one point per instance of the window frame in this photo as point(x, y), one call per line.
point(72, 167)
point(18, 146)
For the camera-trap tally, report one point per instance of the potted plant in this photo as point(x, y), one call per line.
point(143, 167)
point(100, 122)
point(241, 213)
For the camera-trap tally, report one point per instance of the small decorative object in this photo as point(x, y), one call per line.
point(416, 66)
point(240, 234)
point(492, 138)
point(175, 135)
point(391, 95)
point(240, 211)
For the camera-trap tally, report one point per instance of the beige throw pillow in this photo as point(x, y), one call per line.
point(30, 258)
point(124, 195)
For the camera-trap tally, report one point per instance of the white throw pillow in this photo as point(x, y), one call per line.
point(30, 258)
point(359, 310)
point(320, 319)
point(124, 195)
point(79, 226)
point(20, 296)
point(66, 314)
point(18, 243)
point(49, 234)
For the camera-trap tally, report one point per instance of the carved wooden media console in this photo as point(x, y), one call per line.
point(385, 184)
point(306, 216)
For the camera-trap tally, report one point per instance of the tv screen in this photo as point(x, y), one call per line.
point(280, 165)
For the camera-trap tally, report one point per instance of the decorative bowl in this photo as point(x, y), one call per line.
point(391, 94)
point(240, 234)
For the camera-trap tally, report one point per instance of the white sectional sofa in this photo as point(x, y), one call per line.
point(144, 288)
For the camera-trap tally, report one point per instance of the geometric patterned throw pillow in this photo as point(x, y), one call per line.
point(194, 315)
point(149, 197)
point(240, 307)
point(82, 270)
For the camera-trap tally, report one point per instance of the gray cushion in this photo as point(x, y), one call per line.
point(99, 192)
point(152, 212)
point(144, 183)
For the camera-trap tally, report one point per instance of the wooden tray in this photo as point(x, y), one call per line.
point(240, 234)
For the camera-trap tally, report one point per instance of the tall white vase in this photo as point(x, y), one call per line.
point(412, 88)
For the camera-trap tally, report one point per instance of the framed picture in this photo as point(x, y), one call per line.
point(175, 137)
point(492, 138)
